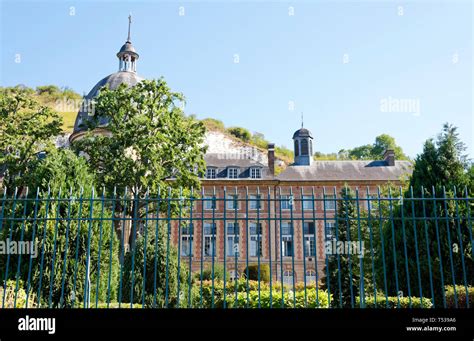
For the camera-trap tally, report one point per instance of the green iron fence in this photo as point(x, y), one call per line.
point(277, 247)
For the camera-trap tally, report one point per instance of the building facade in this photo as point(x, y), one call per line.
point(250, 215)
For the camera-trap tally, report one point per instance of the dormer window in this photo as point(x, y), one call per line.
point(211, 173)
point(232, 172)
point(255, 173)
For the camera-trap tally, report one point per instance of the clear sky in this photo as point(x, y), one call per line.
point(259, 64)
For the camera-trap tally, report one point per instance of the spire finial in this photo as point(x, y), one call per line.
point(129, 24)
point(301, 119)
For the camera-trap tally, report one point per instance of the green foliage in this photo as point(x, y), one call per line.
point(373, 151)
point(258, 273)
point(461, 298)
point(258, 139)
point(61, 241)
point(207, 273)
point(394, 302)
point(447, 241)
point(146, 255)
point(240, 133)
point(213, 124)
point(243, 294)
point(343, 271)
point(153, 141)
point(15, 295)
point(26, 129)
point(300, 299)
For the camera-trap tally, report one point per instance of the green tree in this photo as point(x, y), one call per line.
point(149, 142)
point(151, 275)
point(26, 130)
point(435, 252)
point(342, 271)
point(240, 133)
point(69, 245)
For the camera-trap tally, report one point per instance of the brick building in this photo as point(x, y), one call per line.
point(250, 214)
point(253, 216)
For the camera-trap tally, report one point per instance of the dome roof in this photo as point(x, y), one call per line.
point(127, 47)
point(303, 132)
point(112, 82)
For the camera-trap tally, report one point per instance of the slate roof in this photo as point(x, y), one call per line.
point(303, 132)
point(346, 171)
point(221, 162)
point(112, 81)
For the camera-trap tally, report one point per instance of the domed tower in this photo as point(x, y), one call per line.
point(127, 74)
point(303, 147)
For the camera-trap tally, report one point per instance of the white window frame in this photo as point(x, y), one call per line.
point(255, 201)
point(310, 276)
point(329, 225)
point(255, 173)
point(233, 172)
point(210, 202)
point(211, 173)
point(285, 202)
point(209, 240)
point(308, 203)
point(232, 201)
point(233, 239)
point(255, 239)
point(288, 277)
point(287, 237)
point(329, 202)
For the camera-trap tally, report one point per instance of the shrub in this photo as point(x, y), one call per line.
point(257, 273)
point(167, 276)
point(213, 124)
point(10, 290)
point(207, 273)
point(394, 302)
point(461, 296)
point(298, 299)
point(240, 133)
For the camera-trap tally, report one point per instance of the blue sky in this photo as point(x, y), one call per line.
point(335, 61)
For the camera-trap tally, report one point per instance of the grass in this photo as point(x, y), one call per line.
point(68, 121)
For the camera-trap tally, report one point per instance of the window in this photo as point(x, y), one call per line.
point(330, 230)
point(232, 173)
point(232, 246)
point(329, 202)
point(307, 202)
point(288, 277)
point(255, 173)
point(255, 239)
point(309, 245)
point(310, 147)
point(209, 239)
point(310, 276)
point(297, 148)
point(286, 239)
point(285, 202)
point(255, 202)
point(232, 202)
point(211, 173)
point(304, 147)
point(210, 202)
point(186, 240)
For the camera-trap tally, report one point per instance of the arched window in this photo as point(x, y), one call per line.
point(304, 147)
point(288, 277)
point(310, 276)
point(310, 147)
point(297, 148)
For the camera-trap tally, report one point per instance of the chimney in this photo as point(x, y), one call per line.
point(271, 158)
point(389, 157)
